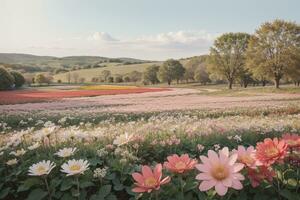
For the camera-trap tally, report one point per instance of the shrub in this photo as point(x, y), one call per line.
point(19, 78)
point(6, 79)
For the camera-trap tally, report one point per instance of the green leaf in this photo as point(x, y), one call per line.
point(66, 184)
point(104, 190)
point(4, 192)
point(37, 194)
point(111, 197)
point(86, 184)
point(289, 195)
point(54, 183)
point(28, 184)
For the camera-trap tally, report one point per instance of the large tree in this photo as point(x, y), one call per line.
point(273, 49)
point(6, 79)
point(227, 56)
point(19, 78)
point(105, 74)
point(150, 74)
point(171, 70)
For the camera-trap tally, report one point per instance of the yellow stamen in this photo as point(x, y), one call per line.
point(150, 182)
point(75, 168)
point(219, 172)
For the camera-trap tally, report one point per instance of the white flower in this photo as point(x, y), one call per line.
point(12, 161)
point(18, 153)
point(100, 172)
point(74, 167)
point(122, 139)
point(66, 152)
point(41, 168)
point(1, 153)
point(34, 146)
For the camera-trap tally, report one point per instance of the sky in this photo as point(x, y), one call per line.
point(144, 29)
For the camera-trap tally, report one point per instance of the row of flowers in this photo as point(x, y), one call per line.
point(219, 171)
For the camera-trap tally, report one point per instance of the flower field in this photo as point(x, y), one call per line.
point(234, 152)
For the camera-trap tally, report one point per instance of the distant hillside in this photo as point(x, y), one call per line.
point(52, 63)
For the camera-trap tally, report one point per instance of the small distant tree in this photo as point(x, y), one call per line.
point(201, 75)
point(118, 79)
point(150, 74)
point(82, 80)
point(110, 79)
point(68, 77)
point(171, 70)
point(126, 79)
point(75, 76)
point(19, 78)
point(227, 56)
point(105, 74)
point(40, 79)
point(135, 76)
point(6, 79)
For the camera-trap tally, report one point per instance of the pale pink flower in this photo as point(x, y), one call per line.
point(220, 170)
point(247, 156)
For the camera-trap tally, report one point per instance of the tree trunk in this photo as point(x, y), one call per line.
point(245, 85)
point(169, 82)
point(298, 83)
point(230, 81)
point(277, 82)
point(263, 83)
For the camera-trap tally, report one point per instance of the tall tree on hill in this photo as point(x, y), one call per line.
point(105, 74)
point(274, 48)
point(227, 56)
point(171, 70)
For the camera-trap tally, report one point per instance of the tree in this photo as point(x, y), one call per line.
point(75, 76)
point(68, 77)
point(19, 78)
point(170, 70)
point(245, 77)
point(105, 74)
point(6, 79)
point(201, 75)
point(126, 79)
point(40, 78)
point(150, 74)
point(135, 76)
point(227, 56)
point(118, 79)
point(273, 49)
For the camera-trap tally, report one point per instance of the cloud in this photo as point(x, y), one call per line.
point(153, 47)
point(102, 36)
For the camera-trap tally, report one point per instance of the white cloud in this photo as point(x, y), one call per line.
point(153, 47)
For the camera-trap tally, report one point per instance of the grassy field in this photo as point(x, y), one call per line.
point(115, 68)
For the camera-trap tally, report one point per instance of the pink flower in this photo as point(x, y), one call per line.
point(271, 151)
point(247, 156)
point(292, 140)
point(220, 171)
point(180, 164)
point(149, 180)
point(256, 176)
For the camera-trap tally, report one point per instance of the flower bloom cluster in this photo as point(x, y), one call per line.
point(224, 169)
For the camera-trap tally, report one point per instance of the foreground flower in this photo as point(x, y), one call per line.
point(220, 171)
point(271, 151)
point(66, 152)
point(34, 146)
point(123, 139)
point(246, 156)
point(12, 162)
point(149, 180)
point(74, 167)
point(256, 176)
point(41, 168)
point(180, 164)
point(292, 140)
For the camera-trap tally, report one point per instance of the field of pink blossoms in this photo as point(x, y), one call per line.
point(171, 145)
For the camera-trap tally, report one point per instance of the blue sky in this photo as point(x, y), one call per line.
point(153, 29)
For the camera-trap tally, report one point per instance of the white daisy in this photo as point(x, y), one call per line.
point(41, 168)
point(18, 153)
point(12, 162)
point(66, 152)
point(74, 167)
point(34, 146)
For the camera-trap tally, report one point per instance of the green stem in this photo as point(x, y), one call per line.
point(78, 189)
point(47, 187)
point(297, 186)
point(156, 195)
point(181, 187)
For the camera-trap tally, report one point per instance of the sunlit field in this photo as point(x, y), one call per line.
point(113, 136)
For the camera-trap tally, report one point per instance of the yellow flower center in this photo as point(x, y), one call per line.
point(41, 169)
point(150, 182)
point(271, 152)
point(180, 165)
point(292, 142)
point(246, 159)
point(75, 168)
point(219, 172)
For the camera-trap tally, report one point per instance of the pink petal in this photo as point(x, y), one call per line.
point(139, 189)
point(237, 167)
point(232, 159)
point(227, 182)
point(221, 189)
point(138, 178)
point(237, 185)
point(202, 168)
point(238, 176)
point(204, 176)
point(225, 151)
point(157, 171)
point(147, 172)
point(165, 180)
point(206, 185)
point(213, 157)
